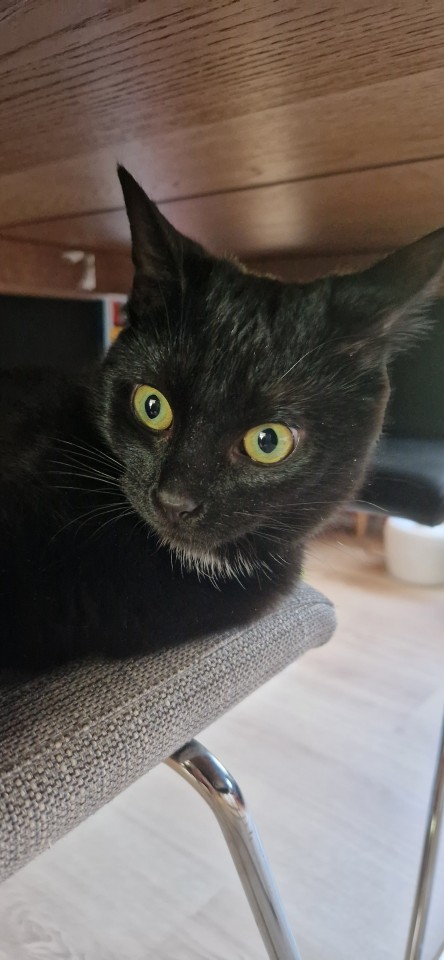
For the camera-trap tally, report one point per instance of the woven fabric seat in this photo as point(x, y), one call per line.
point(72, 739)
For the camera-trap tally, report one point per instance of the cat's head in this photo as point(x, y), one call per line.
point(241, 408)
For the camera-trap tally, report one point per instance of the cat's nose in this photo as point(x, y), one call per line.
point(175, 506)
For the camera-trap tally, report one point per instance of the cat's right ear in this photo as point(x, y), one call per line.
point(159, 251)
point(384, 308)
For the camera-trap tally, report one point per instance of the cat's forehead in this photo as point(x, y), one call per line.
point(239, 317)
point(232, 335)
point(233, 351)
point(241, 298)
point(251, 328)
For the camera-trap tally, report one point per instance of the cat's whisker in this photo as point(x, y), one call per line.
point(79, 465)
point(89, 513)
point(305, 504)
point(88, 450)
point(314, 503)
point(235, 577)
point(325, 344)
point(281, 560)
point(75, 467)
point(106, 481)
point(114, 512)
point(69, 483)
point(308, 353)
point(78, 460)
point(59, 486)
point(114, 519)
point(78, 471)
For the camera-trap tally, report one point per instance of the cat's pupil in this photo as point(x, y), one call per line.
point(152, 406)
point(267, 440)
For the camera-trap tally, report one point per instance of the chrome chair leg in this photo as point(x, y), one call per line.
point(425, 880)
point(201, 769)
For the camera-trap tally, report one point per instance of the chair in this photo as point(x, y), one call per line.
point(74, 738)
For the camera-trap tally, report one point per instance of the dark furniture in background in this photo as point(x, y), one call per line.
point(407, 475)
point(48, 331)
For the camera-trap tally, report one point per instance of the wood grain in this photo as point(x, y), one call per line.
point(31, 268)
point(265, 129)
point(86, 71)
point(354, 212)
point(399, 120)
point(335, 756)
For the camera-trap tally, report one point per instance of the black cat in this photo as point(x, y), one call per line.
point(170, 493)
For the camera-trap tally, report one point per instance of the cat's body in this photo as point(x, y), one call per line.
point(121, 531)
point(79, 572)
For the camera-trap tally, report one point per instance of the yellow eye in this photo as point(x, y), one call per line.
point(152, 408)
point(269, 443)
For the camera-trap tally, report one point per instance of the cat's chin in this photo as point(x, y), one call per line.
point(224, 562)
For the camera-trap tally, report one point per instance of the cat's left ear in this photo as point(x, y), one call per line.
point(159, 251)
point(381, 309)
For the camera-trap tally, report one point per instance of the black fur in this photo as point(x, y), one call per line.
point(81, 568)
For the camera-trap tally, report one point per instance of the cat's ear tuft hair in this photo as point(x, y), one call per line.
point(158, 249)
point(382, 309)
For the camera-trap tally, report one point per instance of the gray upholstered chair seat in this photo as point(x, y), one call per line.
point(72, 739)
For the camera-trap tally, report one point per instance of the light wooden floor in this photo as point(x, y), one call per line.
point(335, 756)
